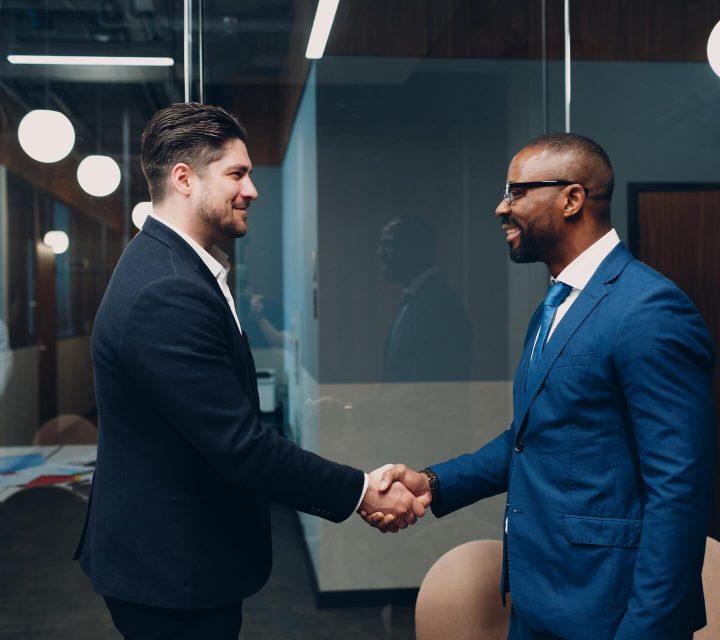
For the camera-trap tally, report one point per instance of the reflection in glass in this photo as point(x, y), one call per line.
point(430, 337)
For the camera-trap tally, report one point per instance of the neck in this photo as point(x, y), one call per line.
point(573, 247)
point(184, 220)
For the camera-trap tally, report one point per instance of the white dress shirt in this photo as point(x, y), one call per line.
point(215, 260)
point(578, 273)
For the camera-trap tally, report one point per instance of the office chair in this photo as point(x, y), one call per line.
point(43, 591)
point(460, 595)
point(67, 428)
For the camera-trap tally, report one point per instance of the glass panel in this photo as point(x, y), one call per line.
point(49, 300)
point(374, 281)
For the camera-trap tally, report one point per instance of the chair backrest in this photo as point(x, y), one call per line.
point(43, 591)
point(67, 428)
point(460, 595)
point(711, 586)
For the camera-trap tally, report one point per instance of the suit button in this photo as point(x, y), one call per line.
point(519, 446)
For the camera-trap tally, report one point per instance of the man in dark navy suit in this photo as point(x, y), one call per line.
point(608, 464)
point(177, 530)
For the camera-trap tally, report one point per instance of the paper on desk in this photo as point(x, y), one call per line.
point(23, 476)
point(18, 462)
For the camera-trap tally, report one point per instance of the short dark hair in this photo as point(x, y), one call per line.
point(188, 132)
point(573, 143)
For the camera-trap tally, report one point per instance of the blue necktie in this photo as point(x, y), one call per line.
point(554, 298)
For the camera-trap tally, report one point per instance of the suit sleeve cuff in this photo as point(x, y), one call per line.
point(364, 491)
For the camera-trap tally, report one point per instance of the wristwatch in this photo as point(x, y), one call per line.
point(433, 482)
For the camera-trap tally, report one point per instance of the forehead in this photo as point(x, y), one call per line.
point(236, 154)
point(536, 163)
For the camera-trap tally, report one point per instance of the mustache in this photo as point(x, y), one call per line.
point(509, 220)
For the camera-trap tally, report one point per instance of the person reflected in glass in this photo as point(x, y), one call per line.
point(430, 338)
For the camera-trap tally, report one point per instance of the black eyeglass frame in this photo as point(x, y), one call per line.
point(534, 185)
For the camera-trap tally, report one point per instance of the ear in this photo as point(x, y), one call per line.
point(181, 179)
point(574, 200)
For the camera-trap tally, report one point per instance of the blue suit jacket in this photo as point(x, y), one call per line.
point(608, 464)
point(178, 514)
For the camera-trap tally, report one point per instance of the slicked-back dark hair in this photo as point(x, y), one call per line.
point(580, 145)
point(188, 132)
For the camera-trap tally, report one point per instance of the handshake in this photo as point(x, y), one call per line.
point(395, 498)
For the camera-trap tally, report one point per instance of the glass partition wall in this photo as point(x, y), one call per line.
point(379, 167)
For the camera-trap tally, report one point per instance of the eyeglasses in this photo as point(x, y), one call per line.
point(515, 190)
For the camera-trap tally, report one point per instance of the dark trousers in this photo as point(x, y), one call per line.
point(141, 622)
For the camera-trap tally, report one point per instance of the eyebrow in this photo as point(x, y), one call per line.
point(240, 167)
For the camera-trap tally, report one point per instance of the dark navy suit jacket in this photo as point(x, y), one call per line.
point(178, 514)
point(608, 464)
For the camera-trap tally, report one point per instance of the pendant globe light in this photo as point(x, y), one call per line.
point(46, 135)
point(140, 213)
point(98, 175)
point(713, 49)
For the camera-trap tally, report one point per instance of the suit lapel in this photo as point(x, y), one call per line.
point(586, 302)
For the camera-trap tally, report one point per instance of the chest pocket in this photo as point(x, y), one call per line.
point(575, 360)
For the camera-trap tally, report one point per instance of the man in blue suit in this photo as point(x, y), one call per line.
point(178, 529)
point(608, 462)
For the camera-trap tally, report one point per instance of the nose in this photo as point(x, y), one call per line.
point(249, 192)
point(503, 208)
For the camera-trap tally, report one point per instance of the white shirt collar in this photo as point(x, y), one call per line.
point(578, 273)
point(215, 259)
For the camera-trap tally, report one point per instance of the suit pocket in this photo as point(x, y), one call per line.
point(607, 532)
point(575, 360)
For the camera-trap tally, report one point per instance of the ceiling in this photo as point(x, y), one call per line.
point(254, 57)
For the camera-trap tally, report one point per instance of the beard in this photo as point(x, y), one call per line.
point(223, 227)
point(532, 246)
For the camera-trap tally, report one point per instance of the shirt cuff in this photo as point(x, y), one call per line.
point(364, 491)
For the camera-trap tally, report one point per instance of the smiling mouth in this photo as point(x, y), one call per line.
point(511, 233)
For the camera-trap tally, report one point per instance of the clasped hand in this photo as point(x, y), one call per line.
point(396, 497)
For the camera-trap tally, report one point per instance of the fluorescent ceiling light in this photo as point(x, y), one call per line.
point(114, 61)
point(324, 17)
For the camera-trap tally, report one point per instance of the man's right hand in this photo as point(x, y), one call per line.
point(391, 479)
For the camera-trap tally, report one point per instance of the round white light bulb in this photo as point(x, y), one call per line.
point(46, 136)
point(58, 241)
point(98, 175)
point(140, 212)
point(713, 49)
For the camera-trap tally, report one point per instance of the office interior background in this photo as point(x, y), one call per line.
point(414, 111)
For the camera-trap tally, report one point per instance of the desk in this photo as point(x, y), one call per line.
point(76, 454)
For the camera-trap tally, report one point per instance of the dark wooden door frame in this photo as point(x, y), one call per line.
point(634, 189)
